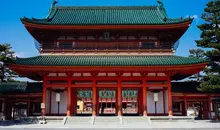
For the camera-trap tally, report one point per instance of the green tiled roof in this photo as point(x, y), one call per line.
point(107, 15)
point(107, 61)
point(13, 87)
point(20, 87)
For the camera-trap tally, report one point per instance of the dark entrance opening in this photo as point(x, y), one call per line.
point(130, 102)
point(107, 102)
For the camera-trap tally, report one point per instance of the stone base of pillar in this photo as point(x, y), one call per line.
point(68, 113)
point(119, 113)
point(93, 113)
point(145, 113)
point(170, 113)
point(43, 112)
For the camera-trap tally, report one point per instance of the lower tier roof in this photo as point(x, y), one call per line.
point(34, 67)
point(36, 87)
point(20, 87)
point(107, 61)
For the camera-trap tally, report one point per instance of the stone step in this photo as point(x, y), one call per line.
point(79, 120)
point(171, 119)
point(135, 120)
point(107, 120)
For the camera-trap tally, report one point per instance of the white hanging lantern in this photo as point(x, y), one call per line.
point(156, 97)
point(57, 97)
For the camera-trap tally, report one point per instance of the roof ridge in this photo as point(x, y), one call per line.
point(106, 7)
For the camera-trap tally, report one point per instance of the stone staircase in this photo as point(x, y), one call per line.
point(106, 120)
point(136, 120)
point(172, 118)
point(37, 119)
point(77, 120)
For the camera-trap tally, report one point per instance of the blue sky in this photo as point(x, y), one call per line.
point(12, 30)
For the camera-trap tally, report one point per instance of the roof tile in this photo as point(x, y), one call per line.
point(47, 60)
point(107, 15)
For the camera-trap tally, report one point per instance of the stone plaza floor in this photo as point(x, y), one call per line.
point(155, 125)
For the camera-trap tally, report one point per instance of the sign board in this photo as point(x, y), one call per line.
point(84, 94)
point(42, 105)
point(129, 93)
point(107, 94)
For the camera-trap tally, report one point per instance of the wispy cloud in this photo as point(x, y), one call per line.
point(196, 18)
point(21, 54)
point(192, 16)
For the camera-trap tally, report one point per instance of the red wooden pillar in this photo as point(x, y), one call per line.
point(44, 97)
point(74, 101)
point(119, 102)
point(164, 104)
point(140, 101)
point(97, 101)
point(50, 102)
point(94, 100)
point(5, 108)
point(209, 107)
point(185, 105)
point(144, 91)
point(68, 112)
point(29, 105)
point(170, 112)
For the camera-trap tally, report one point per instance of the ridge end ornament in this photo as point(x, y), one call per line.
point(160, 3)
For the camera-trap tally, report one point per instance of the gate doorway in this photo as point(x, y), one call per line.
point(130, 102)
point(84, 102)
point(107, 102)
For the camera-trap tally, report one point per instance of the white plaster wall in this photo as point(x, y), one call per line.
point(151, 103)
point(63, 103)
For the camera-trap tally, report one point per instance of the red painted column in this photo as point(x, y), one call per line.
point(5, 107)
point(94, 100)
point(185, 105)
point(170, 112)
point(29, 105)
point(44, 98)
point(209, 107)
point(68, 112)
point(50, 102)
point(144, 90)
point(119, 102)
point(140, 101)
point(74, 101)
point(164, 104)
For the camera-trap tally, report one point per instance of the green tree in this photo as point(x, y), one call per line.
point(197, 53)
point(6, 53)
point(210, 38)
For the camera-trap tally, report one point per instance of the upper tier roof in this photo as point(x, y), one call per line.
point(107, 61)
point(106, 15)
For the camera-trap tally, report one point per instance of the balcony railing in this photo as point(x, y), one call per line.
point(64, 48)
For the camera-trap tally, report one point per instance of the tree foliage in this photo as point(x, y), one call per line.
point(5, 53)
point(210, 38)
point(197, 53)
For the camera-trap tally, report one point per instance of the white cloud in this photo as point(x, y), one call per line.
point(195, 16)
point(192, 16)
point(21, 54)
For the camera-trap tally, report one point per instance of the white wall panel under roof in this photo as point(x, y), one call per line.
point(63, 103)
point(160, 105)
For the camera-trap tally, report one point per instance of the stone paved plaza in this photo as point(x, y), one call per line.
point(155, 125)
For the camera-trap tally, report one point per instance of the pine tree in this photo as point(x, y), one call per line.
point(210, 38)
point(196, 53)
point(5, 73)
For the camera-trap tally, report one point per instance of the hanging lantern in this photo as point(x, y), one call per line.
point(58, 97)
point(156, 95)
